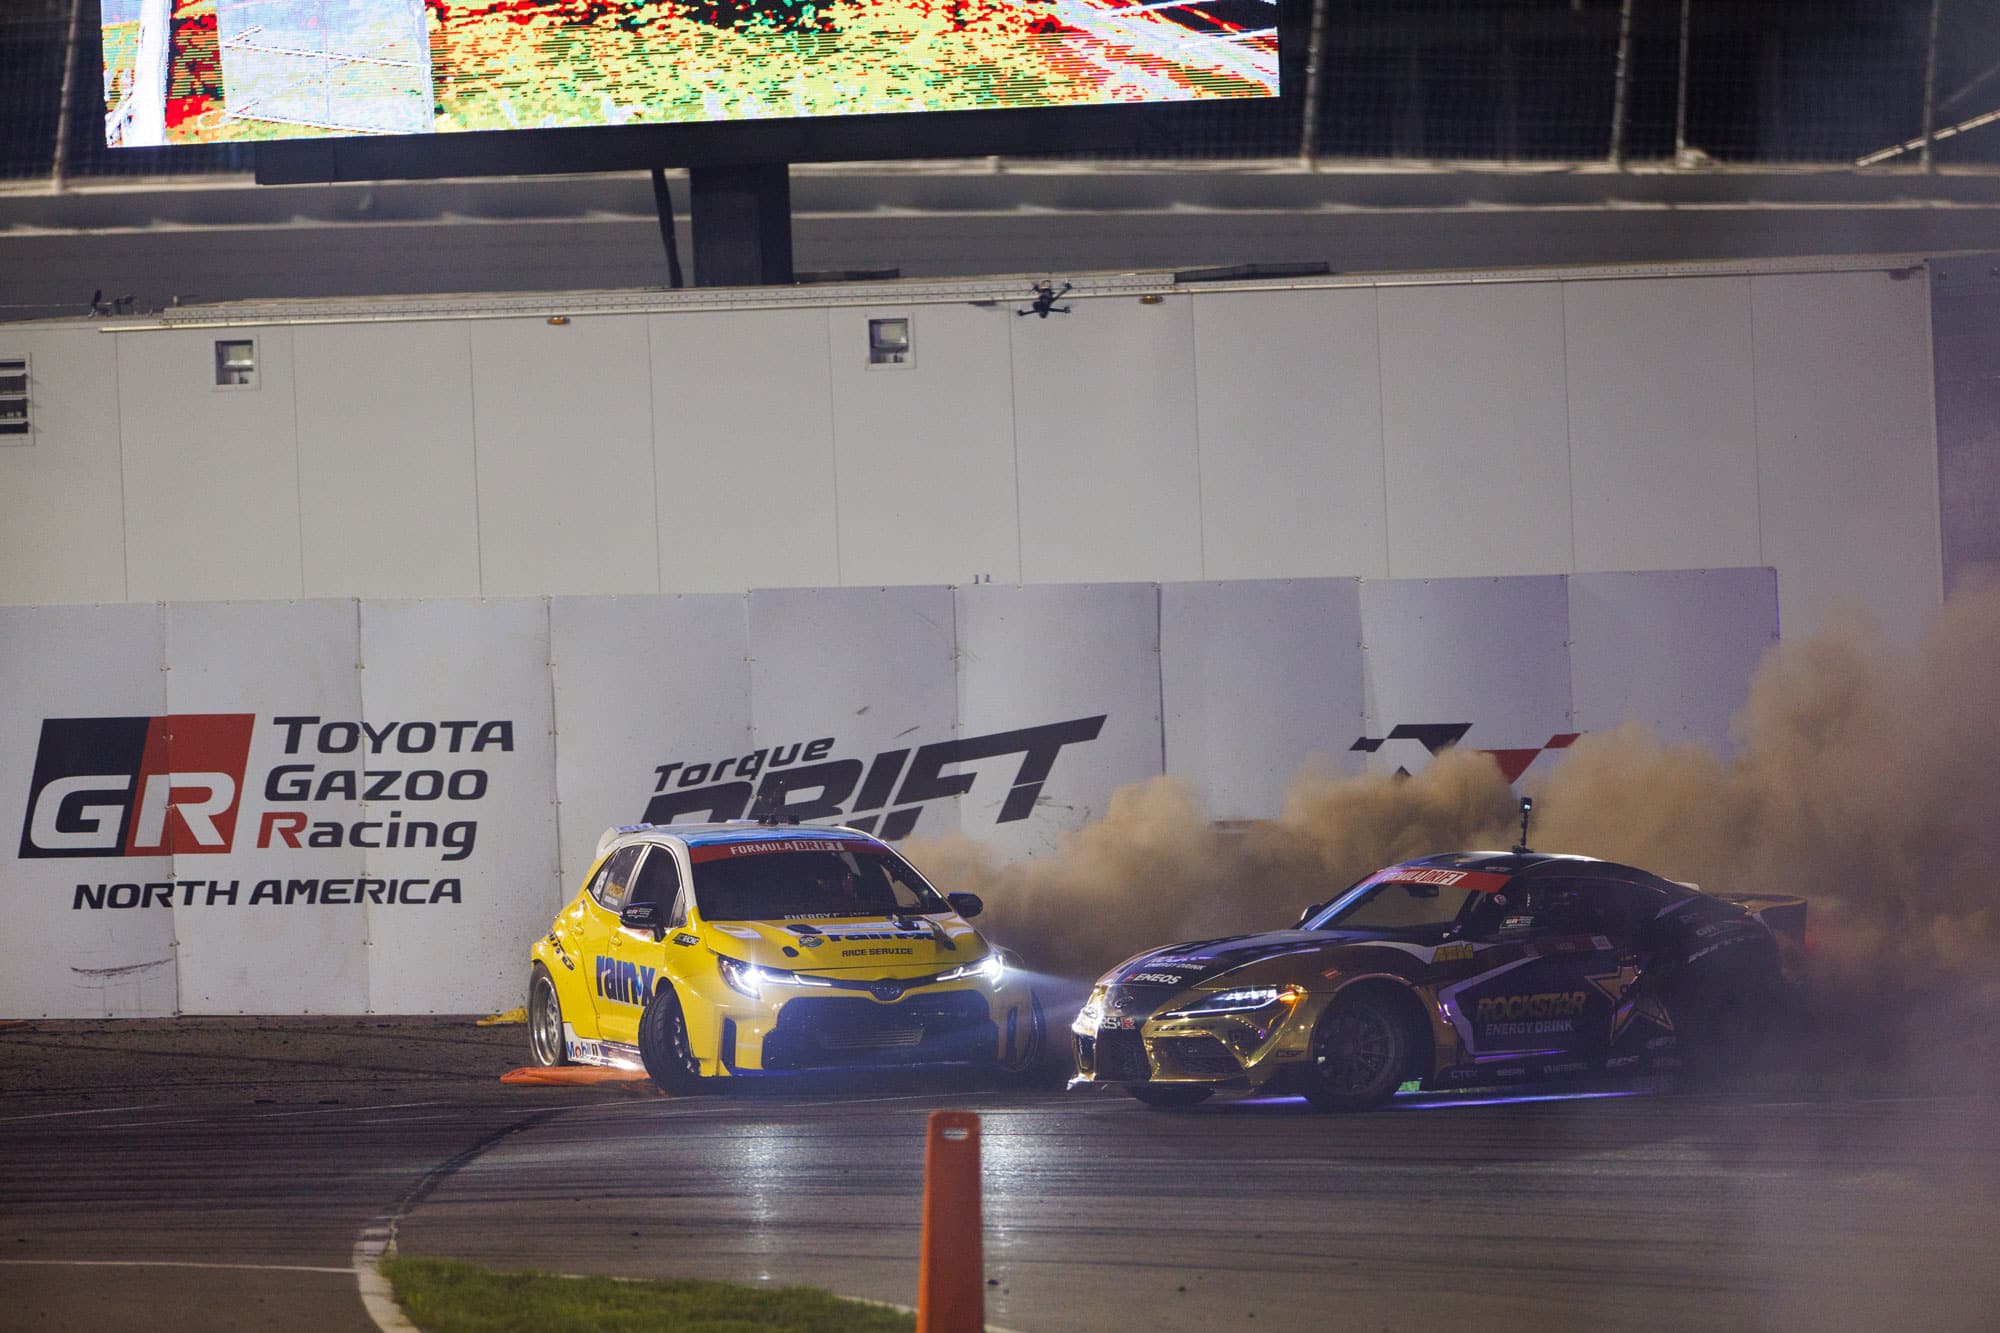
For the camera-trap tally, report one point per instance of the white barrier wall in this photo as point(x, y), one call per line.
point(343, 807)
point(1423, 427)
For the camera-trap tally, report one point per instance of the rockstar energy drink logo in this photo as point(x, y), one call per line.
point(1548, 1004)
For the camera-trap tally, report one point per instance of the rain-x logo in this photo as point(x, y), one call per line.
point(136, 786)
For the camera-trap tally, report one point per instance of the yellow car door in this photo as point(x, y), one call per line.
point(636, 952)
point(609, 995)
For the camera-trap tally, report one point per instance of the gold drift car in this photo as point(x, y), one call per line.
point(1457, 970)
point(714, 950)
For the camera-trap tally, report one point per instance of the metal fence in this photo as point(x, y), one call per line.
point(1686, 82)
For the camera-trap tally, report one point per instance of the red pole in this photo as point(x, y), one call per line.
point(951, 1273)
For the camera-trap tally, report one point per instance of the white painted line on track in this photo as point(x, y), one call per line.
point(223, 1114)
point(171, 1263)
point(100, 1110)
point(342, 1110)
point(378, 1298)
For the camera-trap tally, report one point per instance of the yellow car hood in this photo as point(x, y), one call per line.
point(885, 946)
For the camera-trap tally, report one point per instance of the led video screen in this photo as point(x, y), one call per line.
point(214, 71)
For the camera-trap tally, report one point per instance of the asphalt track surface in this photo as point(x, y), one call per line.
point(211, 1173)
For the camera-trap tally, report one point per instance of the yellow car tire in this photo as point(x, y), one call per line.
point(664, 1046)
point(545, 1020)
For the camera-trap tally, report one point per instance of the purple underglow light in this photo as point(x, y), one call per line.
point(1447, 1101)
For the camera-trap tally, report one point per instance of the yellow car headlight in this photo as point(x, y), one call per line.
point(752, 980)
point(992, 969)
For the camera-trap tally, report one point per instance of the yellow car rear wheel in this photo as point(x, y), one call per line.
point(545, 1021)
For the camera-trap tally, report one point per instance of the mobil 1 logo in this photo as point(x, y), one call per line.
point(136, 786)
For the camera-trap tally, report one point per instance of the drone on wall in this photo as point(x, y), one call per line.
point(1046, 296)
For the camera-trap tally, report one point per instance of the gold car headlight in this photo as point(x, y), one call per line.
point(1091, 1016)
point(1244, 1000)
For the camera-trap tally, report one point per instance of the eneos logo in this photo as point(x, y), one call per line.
point(137, 786)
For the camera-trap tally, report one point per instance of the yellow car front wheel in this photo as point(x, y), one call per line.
point(664, 1045)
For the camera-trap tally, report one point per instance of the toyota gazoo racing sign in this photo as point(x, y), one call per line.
point(183, 786)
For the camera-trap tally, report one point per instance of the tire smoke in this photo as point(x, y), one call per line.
point(1862, 779)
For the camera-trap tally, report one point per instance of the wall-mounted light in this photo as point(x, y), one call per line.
point(890, 342)
point(558, 320)
point(235, 363)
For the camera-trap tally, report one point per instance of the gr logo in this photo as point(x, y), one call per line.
point(136, 786)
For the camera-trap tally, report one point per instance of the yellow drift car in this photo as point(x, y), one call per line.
point(701, 951)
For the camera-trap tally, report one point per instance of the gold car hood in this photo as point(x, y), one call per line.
point(888, 945)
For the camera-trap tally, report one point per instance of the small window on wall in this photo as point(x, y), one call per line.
point(889, 342)
point(15, 425)
point(235, 363)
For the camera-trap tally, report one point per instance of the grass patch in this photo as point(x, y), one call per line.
point(446, 1296)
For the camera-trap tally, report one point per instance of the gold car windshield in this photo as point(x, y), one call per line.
point(1396, 905)
point(789, 886)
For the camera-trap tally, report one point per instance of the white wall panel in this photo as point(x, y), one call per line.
point(483, 661)
point(1258, 678)
point(71, 962)
point(743, 436)
point(1663, 423)
point(563, 419)
point(1846, 448)
point(211, 474)
point(386, 462)
point(1104, 423)
point(1674, 649)
point(641, 683)
point(873, 670)
point(1493, 653)
point(62, 519)
point(262, 952)
point(1474, 425)
point(1289, 403)
point(924, 452)
point(1052, 654)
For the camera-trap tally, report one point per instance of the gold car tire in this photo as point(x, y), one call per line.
point(664, 1045)
point(545, 1021)
point(1359, 1052)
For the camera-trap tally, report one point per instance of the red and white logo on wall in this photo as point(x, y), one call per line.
point(137, 786)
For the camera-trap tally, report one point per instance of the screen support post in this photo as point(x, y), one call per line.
point(742, 222)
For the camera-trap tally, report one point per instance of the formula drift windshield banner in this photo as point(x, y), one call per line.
point(210, 71)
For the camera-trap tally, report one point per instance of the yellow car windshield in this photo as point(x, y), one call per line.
point(780, 886)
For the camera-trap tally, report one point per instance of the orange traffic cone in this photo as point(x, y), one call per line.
point(951, 1274)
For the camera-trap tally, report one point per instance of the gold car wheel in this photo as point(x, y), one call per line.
point(1357, 1056)
point(545, 1025)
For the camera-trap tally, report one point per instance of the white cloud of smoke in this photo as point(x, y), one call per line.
point(1863, 779)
